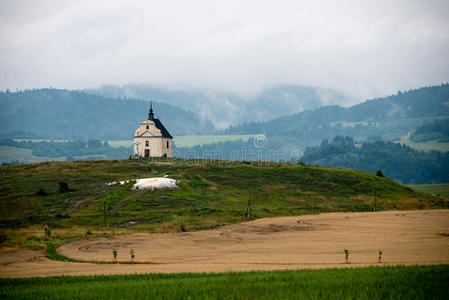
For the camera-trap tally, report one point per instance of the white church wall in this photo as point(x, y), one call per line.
point(149, 137)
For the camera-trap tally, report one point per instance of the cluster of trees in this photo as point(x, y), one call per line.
point(435, 130)
point(71, 149)
point(396, 161)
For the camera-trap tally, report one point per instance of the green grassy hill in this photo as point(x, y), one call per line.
point(210, 194)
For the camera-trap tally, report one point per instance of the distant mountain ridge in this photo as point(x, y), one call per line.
point(225, 109)
point(386, 118)
point(63, 114)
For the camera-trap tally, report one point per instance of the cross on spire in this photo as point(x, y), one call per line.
point(151, 114)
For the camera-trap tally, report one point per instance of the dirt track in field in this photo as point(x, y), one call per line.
point(301, 242)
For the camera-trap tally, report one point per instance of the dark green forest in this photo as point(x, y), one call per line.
point(62, 114)
point(396, 161)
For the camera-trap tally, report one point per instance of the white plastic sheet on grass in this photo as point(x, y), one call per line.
point(155, 183)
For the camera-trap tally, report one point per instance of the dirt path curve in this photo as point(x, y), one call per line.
point(317, 241)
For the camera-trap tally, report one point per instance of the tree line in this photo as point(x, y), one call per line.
point(71, 149)
point(399, 162)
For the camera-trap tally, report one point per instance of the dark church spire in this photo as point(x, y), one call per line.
point(151, 114)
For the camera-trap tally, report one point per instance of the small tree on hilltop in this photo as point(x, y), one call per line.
point(379, 173)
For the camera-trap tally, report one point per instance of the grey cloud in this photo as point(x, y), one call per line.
point(365, 48)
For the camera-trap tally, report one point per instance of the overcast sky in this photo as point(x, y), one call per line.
point(365, 48)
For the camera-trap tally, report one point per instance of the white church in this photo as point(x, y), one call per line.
point(151, 139)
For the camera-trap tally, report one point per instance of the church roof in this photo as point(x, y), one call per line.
point(161, 127)
point(158, 123)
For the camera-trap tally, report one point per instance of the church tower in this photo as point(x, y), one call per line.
point(151, 139)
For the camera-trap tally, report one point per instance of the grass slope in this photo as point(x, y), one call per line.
point(211, 194)
point(413, 282)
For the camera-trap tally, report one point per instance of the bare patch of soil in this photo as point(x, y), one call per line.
point(317, 241)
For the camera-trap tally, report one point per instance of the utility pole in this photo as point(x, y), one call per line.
point(48, 218)
point(249, 204)
point(104, 214)
point(375, 199)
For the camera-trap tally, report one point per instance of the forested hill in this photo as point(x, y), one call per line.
point(62, 114)
point(387, 118)
point(396, 161)
point(225, 108)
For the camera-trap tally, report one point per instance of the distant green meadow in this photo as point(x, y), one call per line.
point(41, 140)
point(424, 146)
point(197, 140)
point(10, 154)
point(401, 282)
point(437, 189)
point(192, 140)
point(180, 141)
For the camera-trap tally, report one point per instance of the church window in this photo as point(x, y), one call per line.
point(147, 143)
point(167, 145)
point(148, 127)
